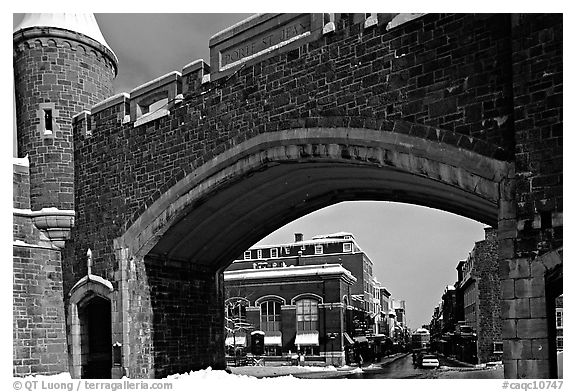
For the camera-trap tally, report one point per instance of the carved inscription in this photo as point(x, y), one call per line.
point(268, 39)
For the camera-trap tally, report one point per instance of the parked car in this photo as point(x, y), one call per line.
point(429, 360)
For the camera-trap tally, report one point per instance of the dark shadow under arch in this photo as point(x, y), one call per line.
point(223, 207)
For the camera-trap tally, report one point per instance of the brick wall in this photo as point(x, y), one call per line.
point(184, 312)
point(489, 324)
point(70, 77)
point(538, 97)
point(538, 201)
point(448, 72)
point(331, 290)
point(39, 328)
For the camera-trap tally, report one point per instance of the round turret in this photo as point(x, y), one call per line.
point(62, 66)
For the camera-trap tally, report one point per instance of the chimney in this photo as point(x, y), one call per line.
point(298, 237)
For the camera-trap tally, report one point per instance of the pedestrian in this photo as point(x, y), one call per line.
point(301, 359)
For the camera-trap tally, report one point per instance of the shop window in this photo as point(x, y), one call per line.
point(270, 316)
point(273, 351)
point(310, 350)
point(307, 315)
point(318, 250)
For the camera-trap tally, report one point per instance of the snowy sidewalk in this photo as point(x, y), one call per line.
point(309, 371)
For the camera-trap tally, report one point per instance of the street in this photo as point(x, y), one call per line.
point(403, 369)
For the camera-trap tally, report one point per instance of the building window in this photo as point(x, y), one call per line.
point(247, 255)
point(272, 351)
point(498, 347)
point(307, 315)
point(310, 350)
point(259, 253)
point(274, 253)
point(270, 312)
point(559, 317)
point(318, 249)
point(348, 247)
point(48, 127)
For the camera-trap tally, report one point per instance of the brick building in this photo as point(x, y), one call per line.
point(478, 291)
point(469, 313)
point(312, 295)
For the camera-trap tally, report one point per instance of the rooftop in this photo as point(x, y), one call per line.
point(81, 23)
point(290, 271)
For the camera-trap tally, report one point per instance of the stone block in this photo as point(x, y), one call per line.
point(507, 288)
point(529, 287)
point(532, 328)
point(540, 349)
point(519, 268)
point(508, 328)
point(518, 349)
point(533, 368)
point(537, 307)
point(510, 368)
point(516, 308)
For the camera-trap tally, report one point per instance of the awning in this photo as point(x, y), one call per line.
point(273, 338)
point(360, 339)
point(307, 338)
point(348, 339)
point(240, 340)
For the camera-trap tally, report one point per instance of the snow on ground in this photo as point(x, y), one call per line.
point(275, 371)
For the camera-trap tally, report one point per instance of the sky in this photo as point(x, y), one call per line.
point(414, 249)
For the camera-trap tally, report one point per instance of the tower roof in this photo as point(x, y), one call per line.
point(81, 23)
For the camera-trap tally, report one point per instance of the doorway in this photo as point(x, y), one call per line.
point(96, 338)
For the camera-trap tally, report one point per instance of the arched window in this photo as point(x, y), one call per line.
point(307, 315)
point(270, 316)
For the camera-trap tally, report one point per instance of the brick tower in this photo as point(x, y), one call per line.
point(62, 66)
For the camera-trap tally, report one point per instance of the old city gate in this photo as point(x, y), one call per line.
point(128, 213)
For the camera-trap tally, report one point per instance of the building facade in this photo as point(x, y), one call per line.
point(467, 323)
point(312, 296)
point(479, 292)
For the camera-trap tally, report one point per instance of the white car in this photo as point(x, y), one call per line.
point(430, 361)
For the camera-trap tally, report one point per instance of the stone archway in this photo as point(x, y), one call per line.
point(307, 169)
point(185, 239)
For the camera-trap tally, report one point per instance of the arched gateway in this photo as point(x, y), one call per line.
point(295, 113)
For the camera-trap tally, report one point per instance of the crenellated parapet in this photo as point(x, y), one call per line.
point(34, 37)
point(252, 40)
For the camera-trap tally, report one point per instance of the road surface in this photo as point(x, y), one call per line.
point(404, 369)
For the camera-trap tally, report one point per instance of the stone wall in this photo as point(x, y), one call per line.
point(489, 324)
point(39, 327)
point(65, 76)
point(441, 77)
point(182, 307)
point(484, 83)
point(533, 247)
